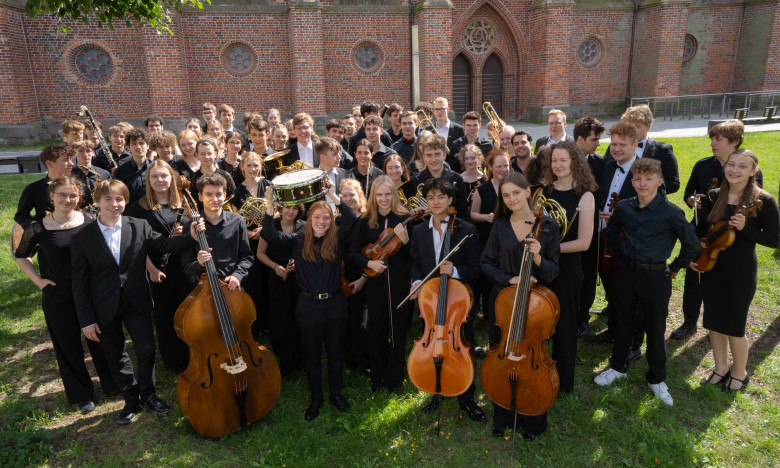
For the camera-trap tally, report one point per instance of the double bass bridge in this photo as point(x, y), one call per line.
point(236, 368)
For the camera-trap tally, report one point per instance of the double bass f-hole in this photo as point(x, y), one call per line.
point(211, 372)
point(251, 356)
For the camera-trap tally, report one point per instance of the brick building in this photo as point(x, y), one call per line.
point(324, 56)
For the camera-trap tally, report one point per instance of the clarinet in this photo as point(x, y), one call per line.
point(167, 255)
point(101, 140)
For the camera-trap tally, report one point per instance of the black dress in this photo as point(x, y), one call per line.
point(567, 288)
point(59, 311)
point(386, 359)
point(169, 294)
point(471, 186)
point(235, 171)
point(728, 289)
point(500, 262)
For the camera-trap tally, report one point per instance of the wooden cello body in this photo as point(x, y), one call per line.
point(518, 373)
point(230, 381)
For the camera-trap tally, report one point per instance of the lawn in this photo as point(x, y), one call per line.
point(622, 425)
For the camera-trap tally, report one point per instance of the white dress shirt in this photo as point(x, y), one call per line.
point(640, 148)
point(306, 153)
point(113, 237)
point(438, 242)
point(445, 130)
point(617, 183)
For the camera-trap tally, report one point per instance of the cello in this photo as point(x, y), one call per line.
point(518, 374)
point(441, 361)
point(230, 381)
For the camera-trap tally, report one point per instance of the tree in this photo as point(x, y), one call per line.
point(105, 12)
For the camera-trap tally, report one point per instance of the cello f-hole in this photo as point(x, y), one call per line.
point(455, 347)
point(211, 373)
point(428, 341)
point(534, 366)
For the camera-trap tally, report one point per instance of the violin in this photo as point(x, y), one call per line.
point(388, 244)
point(518, 374)
point(720, 237)
point(441, 361)
point(607, 262)
point(230, 381)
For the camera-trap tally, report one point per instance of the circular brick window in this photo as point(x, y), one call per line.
point(478, 37)
point(239, 59)
point(92, 64)
point(589, 52)
point(689, 47)
point(368, 57)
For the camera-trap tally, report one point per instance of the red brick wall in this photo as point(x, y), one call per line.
point(660, 31)
point(306, 55)
point(166, 68)
point(435, 33)
point(551, 55)
point(17, 94)
point(772, 71)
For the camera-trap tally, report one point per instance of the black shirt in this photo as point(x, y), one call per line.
point(229, 190)
point(394, 136)
point(405, 148)
point(230, 252)
point(366, 181)
point(235, 171)
point(651, 232)
point(34, 197)
point(360, 133)
point(162, 221)
point(380, 154)
point(321, 276)
point(134, 177)
point(100, 160)
point(703, 173)
point(461, 197)
point(88, 182)
point(485, 145)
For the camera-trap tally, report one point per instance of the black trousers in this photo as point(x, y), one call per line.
point(322, 320)
point(505, 419)
point(65, 333)
point(167, 296)
point(139, 325)
point(567, 288)
point(356, 341)
point(650, 290)
point(386, 360)
point(691, 301)
point(255, 283)
point(589, 260)
point(285, 337)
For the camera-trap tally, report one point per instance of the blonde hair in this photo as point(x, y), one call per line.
point(357, 187)
point(148, 201)
point(640, 113)
point(372, 208)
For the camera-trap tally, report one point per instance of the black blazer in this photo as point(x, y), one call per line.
point(97, 279)
point(466, 259)
point(456, 131)
point(603, 194)
point(341, 174)
point(663, 152)
point(543, 141)
point(360, 133)
point(596, 162)
point(461, 196)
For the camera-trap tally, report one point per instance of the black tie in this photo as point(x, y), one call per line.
point(641, 144)
point(621, 169)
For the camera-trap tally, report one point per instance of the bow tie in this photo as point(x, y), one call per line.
point(409, 141)
point(641, 144)
point(621, 169)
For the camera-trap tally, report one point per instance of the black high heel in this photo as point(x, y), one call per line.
point(723, 378)
point(744, 382)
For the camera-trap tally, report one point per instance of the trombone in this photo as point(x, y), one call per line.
point(494, 120)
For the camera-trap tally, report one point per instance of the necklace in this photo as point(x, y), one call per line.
point(62, 225)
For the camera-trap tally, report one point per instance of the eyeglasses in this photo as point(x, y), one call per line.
point(67, 196)
point(439, 109)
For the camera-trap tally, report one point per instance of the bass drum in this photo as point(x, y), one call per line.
point(300, 187)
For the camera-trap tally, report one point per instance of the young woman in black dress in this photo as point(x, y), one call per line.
point(51, 238)
point(572, 188)
point(189, 163)
point(501, 262)
point(162, 208)
point(728, 289)
point(472, 160)
point(231, 163)
point(387, 340)
point(277, 256)
point(321, 310)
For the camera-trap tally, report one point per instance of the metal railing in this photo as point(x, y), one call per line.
point(704, 106)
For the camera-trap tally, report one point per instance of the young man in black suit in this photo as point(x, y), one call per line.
point(366, 109)
point(472, 121)
point(450, 130)
point(85, 172)
point(373, 128)
point(133, 172)
point(111, 289)
point(335, 128)
point(405, 145)
point(426, 251)
point(641, 117)
point(587, 132)
point(556, 125)
point(434, 150)
point(57, 157)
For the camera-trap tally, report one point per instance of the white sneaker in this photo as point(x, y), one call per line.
point(608, 376)
point(661, 392)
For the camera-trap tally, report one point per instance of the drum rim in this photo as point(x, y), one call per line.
point(319, 173)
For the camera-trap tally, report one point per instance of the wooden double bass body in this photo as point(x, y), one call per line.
point(231, 381)
point(518, 373)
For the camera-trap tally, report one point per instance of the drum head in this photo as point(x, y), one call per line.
point(295, 177)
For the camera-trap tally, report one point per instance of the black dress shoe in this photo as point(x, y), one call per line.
point(634, 355)
point(128, 413)
point(340, 403)
point(498, 433)
point(530, 436)
point(480, 352)
point(684, 331)
point(603, 337)
point(313, 410)
point(86, 406)
point(433, 405)
point(156, 405)
point(474, 411)
point(583, 329)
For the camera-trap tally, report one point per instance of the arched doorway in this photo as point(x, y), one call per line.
point(461, 86)
point(493, 83)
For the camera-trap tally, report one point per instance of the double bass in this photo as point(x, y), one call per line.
point(518, 374)
point(441, 361)
point(230, 382)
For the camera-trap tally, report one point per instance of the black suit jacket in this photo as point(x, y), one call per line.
point(664, 153)
point(461, 197)
point(465, 260)
point(97, 278)
point(543, 141)
point(456, 131)
point(596, 162)
point(360, 133)
point(603, 194)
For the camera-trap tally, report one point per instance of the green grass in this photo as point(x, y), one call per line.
point(33, 146)
point(622, 425)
